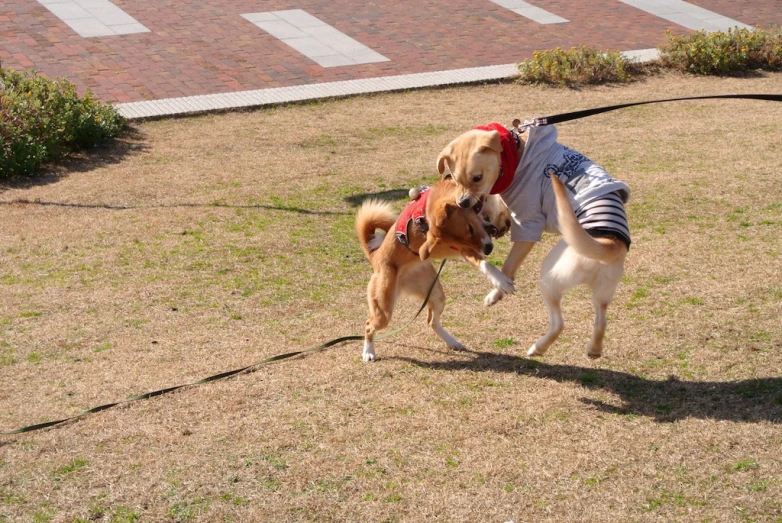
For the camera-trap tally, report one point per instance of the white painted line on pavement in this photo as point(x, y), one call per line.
point(527, 10)
point(94, 18)
point(315, 39)
point(687, 15)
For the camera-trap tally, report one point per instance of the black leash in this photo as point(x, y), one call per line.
point(542, 120)
point(160, 392)
point(575, 115)
point(228, 374)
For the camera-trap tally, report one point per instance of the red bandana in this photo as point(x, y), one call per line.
point(509, 159)
point(415, 211)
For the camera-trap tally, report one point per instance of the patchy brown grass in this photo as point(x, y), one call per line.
point(205, 244)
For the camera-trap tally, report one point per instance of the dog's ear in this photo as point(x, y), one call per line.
point(441, 217)
point(445, 156)
point(490, 140)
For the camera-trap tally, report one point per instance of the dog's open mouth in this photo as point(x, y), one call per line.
point(478, 206)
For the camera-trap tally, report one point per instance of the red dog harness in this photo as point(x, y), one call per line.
point(509, 159)
point(414, 212)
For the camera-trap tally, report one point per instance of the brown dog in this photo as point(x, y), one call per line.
point(547, 187)
point(433, 226)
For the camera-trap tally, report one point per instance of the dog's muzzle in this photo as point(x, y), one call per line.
point(465, 202)
point(488, 246)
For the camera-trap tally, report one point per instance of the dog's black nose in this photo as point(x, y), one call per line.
point(464, 203)
point(488, 248)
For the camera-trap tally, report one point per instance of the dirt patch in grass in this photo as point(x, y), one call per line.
point(204, 244)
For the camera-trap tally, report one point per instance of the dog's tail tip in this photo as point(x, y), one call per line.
point(371, 216)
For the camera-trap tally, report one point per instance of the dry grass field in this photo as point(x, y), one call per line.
point(204, 244)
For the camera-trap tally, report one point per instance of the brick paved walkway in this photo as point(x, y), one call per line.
point(207, 47)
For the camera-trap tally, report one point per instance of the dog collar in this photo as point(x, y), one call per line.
point(509, 158)
point(414, 212)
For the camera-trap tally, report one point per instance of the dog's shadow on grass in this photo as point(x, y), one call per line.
point(754, 400)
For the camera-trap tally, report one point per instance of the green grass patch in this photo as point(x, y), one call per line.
point(71, 467)
point(744, 465)
point(759, 486)
point(504, 343)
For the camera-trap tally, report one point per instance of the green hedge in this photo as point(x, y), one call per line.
point(581, 65)
point(43, 119)
point(736, 51)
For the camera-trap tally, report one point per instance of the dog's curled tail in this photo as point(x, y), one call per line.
point(371, 216)
point(605, 250)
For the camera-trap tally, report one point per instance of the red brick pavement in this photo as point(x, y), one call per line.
point(205, 47)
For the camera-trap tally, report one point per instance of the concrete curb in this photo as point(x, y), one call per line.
point(192, 105)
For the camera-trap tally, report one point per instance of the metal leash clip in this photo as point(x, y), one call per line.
point(535, 122)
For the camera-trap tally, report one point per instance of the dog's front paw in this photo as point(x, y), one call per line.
point(504, 284)
point(498, 280)
point(493, 297)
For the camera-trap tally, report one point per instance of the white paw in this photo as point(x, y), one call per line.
point(369, 352)
point(497, 278)
point(456, 346)
point(493, 297)
point(504, 284)
point(533, 351)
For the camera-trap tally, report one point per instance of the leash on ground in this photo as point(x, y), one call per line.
point(227, 374)
point(542, 120)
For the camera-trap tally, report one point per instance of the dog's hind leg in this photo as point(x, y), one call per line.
point(603, 289)
point(436, 306)
point(595, 345)
point(418, 284)
point(381, 295)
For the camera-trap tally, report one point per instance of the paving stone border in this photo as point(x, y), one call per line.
point(191, 105)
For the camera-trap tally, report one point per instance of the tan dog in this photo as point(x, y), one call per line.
point(432, 227)
point(541, 182)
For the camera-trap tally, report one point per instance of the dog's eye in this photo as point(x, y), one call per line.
point(478, 178)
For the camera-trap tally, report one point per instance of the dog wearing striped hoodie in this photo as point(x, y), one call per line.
point(547, 187)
